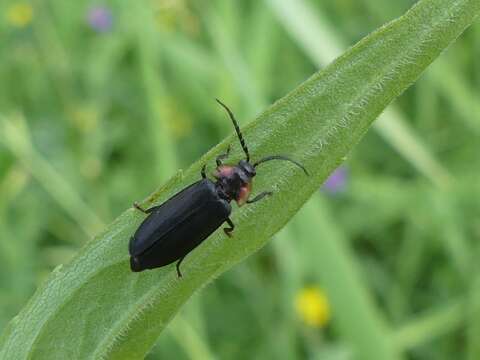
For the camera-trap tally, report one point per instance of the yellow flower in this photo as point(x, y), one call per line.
point(85, 118)
point(20, 15)
point(91, 168)
point(312, 306)
point(180, 126)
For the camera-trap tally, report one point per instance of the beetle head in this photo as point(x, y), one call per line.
point(247, 169)
point(235, 182)
point(246, 172)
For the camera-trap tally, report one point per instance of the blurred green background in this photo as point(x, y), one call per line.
point(102, 102)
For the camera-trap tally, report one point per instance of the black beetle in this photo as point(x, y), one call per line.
point(173, 229)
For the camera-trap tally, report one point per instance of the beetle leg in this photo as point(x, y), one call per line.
point(259, 197)
point(204, 171)
point(148, 211)
point(229, 230)
point(138, 207)
point(222, 157)
point(179, 274)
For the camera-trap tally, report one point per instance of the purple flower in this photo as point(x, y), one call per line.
point(100, 19)
point(337, 181)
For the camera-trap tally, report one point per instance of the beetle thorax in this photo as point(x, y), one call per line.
point(235, 182)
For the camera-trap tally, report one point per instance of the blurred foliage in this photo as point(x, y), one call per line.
point(114, 98)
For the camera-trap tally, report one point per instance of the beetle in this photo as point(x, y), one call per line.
point(174, 228)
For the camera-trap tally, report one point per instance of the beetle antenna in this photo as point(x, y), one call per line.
point(237, 129)
point(280, 157)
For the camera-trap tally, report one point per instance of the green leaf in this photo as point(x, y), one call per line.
point(321, 42)
point(95, 307)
